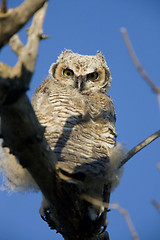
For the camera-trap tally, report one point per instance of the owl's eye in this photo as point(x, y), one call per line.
point(92, 76)
point(68, 72)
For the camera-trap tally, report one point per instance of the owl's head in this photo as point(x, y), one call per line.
point(88, 74)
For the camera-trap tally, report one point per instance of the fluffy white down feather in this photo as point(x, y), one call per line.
point(15, 177)
point(114, 173)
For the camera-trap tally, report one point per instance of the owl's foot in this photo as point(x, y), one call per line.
point(46, 215)
point(99, 219)
point(103, 219)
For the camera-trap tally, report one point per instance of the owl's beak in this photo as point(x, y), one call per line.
point(79, 82)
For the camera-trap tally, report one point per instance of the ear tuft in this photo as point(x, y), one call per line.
point(101, 57)
point(52, 69)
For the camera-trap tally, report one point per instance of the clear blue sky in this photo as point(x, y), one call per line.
point(85, 27)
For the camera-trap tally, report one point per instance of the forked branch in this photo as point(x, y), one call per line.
point(12, 20)
point(17, 79)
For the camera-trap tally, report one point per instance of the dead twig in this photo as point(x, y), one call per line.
point(17, 79)
point(156, 205)
point(154, 202)
point(12, 20)
point(138, 65)
point(116, 207)
point(3, 8)
point(140, 146)
point(158, 166)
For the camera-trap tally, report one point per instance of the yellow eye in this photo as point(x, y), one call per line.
point(68, 72)
point(92, 76)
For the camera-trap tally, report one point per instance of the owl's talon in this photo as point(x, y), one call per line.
point(43, 218)
point(45, 214)
point(103, 228)
point(47, 218)
point(103, 221)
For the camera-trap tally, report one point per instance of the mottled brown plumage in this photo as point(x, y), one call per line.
point(80, 122)
point(79, 119)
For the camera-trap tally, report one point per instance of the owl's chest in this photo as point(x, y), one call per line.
point(69, 129)
point(66, 109)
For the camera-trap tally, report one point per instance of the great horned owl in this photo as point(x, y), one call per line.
point(79, 118)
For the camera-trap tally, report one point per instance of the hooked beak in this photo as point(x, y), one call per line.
point(79, 82)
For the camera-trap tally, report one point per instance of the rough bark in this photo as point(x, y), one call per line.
point(12, 20)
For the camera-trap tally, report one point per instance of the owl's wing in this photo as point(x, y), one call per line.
point(101, 109)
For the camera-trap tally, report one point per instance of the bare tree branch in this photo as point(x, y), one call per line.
point(24, 136)
point(16, 44)
point(12, 20)
point(140, 146)
point(138, 65)
point(3, 8)
point(156, 89)
point(17, 79)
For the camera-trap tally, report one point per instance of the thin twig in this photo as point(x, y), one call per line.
point(116, 207)
point(154, 202)
point(156, 205)
point(3, 6)
point(137, 63)
point(140, 146)
point(158, 166)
